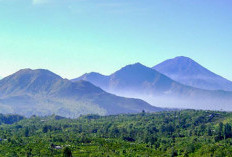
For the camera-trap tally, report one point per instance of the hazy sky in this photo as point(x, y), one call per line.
point(71, 37)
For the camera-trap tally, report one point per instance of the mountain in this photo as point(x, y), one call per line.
point(142, 82)
point(41, 92)
point(95, 78)
point(189, 72)
point(129, 79)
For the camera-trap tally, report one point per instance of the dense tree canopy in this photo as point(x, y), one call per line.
point(176, 133)
point(10, 119)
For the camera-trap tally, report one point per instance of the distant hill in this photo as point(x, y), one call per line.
point(142, 82)
point(10, 119)
point(41, 92)
point(131, 78)
point(97, 79)
point(189, 72)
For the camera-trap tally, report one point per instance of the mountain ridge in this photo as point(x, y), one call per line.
point(139, 81)
point(42, 92)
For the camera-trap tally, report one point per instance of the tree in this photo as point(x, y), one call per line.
point(26, 133)
point(67, 152)
point(227, 131)
point(209, 131)
point(220, 128)
point(220, 133)
point(45, 129)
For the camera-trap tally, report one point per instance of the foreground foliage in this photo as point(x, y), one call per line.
point(177, 133)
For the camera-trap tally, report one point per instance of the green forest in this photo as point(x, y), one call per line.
point(172, 133)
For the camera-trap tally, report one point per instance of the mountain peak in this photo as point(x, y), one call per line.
point(181, 61)
point(29, 80)
point(90, 76)
point(134, 66)
point(137, 64)
point(187, 71)
point(181, 64)
point(36, 72)
point(134, 70)
point(26, 69)
point(183, 58)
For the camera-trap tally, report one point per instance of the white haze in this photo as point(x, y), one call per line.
point(179, 102)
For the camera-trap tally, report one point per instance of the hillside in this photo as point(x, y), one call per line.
point(142, 82)
point(41, 92)
point(10, 119)
point(189, 72)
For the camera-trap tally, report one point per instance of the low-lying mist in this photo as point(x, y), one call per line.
point(180, 102)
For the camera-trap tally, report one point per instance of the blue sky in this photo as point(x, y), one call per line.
point(71, 37)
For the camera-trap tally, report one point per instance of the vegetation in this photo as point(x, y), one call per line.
point(176, 133)
point(10, 119)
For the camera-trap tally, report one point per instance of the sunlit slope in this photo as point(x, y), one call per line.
point(42, 92)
